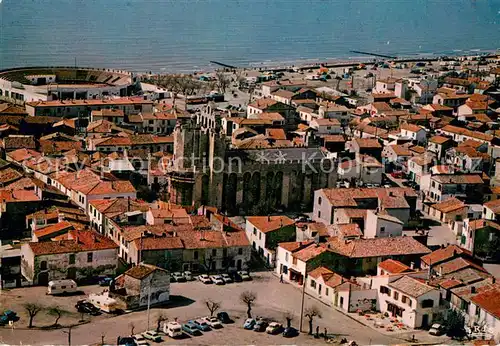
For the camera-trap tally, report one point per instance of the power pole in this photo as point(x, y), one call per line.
point(149, 303)
point(302, 302)
point(69, 335)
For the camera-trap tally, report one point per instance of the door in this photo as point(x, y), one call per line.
point(425, 321)
point(43, 279)
point(319, 289)
point(71, 273)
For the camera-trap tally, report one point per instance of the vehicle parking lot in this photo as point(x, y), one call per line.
point(188, 302)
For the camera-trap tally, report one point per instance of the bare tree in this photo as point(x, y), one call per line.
point(212, 306)
point(222, 81)
point(289, 318)
point(32, 309)
point(131, 325)
point(57, 312)
point(311, 313)
point(248, 298)
point(159, 319)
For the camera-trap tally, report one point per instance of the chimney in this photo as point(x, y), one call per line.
point(412, 265)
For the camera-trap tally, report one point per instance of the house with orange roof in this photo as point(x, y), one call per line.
point(479, 237)
point(323, 284)
point(265, 105)
point(390, 266)
point(102, 211)
point(142, 286)
point(81, 255)
point(265, 232)
point(326, 126)
point(438, 145)
point(330, 204)
point(363, 168)
point(414, 132)
point(484, 310)
point(441, 187)
point(114, 116)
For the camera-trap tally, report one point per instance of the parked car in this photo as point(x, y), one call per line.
point(260, 326)
point(290, 332)
point(249, 323)
point(437, 329)
point(152, 335)
point(245, 276)
point(105, 281)
point(178, 277)
point(213, 322)
point(201, 325)
point(236, 277)
point(205, 279)
point(8, 315)
point(224, 317)
point(217, 279)
point(125, 341)
point(274, 328)
point(188, 276)
point(87, 307)
point(191, 329)
point(226, 278)
point(140, 340)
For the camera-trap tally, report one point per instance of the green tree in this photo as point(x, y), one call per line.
point(32, 309)
point(455, 325)
point(57, 312)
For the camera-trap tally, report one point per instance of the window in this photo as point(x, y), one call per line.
point(427, 303)
point(260, 236)
point(319, 200)
point(224, 252)
point(240, 251)
point(195, 255)
point(326, 291)
point(72, 258)
point(404, 299)
point(478, 310)
point(396, 295)
point(433, 184)
point(294, 261)
point(385, 290)
point(254, 231)
point(382, 229)
point(90, 257)
point(409, 302)
point(43, 265)
point(286, 256)
point(313, 284)
point(214, 252)
point(319, 213)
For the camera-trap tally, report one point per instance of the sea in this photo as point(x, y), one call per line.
point(185, 35)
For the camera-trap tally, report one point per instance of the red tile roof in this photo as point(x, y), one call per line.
point(394, 267)
point(444, 254)
point(295, 245)
point(53, 230)
point(411, 286)
point(489, 300)
point(81, 241)
point(270, 223)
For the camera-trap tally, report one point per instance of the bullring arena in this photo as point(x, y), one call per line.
point(20, 85)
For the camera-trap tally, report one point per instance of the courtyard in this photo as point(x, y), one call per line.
point(274, 300)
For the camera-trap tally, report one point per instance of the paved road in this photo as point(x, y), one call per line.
point(274, 299)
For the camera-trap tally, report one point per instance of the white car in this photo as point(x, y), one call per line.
point(188, 276)
point(205, 279)
point(227, 279)
point(140, 340)
point(217, 279)
point(213, 322)
point(152, 335)
point(244, 275)
point(274, 328)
